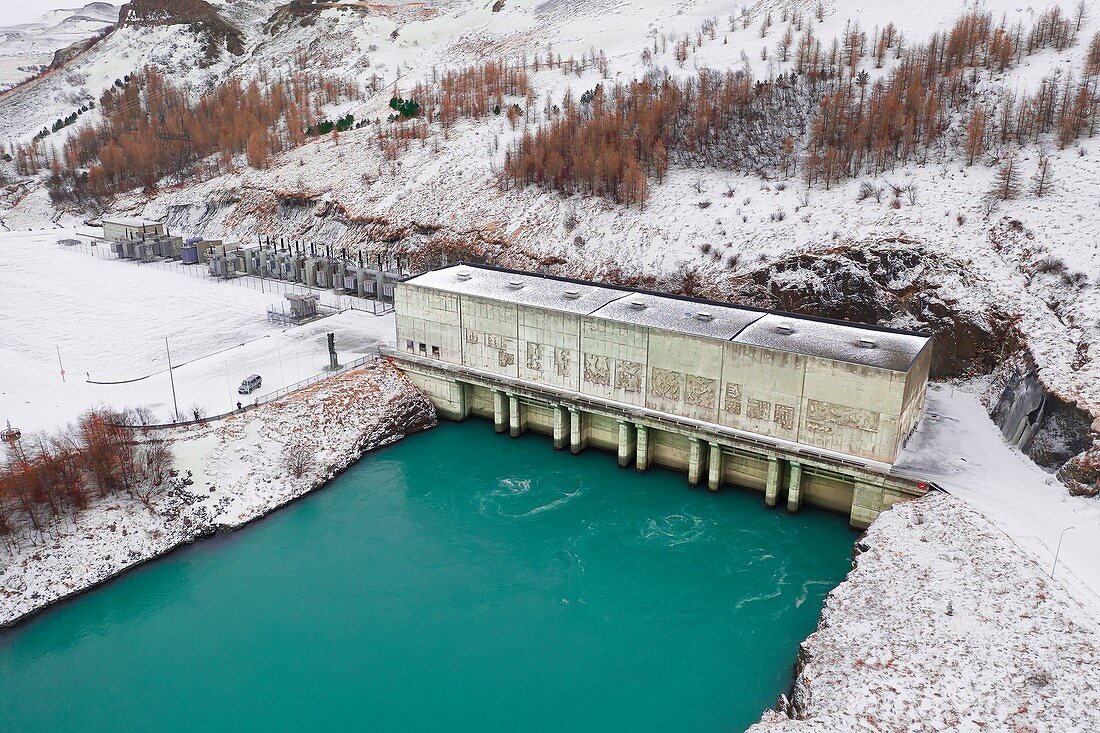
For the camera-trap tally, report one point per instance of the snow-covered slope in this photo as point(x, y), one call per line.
point(27, 46)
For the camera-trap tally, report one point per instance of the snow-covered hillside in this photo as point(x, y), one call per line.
point(25, 47)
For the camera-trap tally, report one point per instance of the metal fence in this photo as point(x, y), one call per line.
point(330, 297)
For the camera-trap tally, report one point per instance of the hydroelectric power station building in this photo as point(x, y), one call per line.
point(803, 409)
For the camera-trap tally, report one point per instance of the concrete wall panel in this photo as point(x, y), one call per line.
point(490, 335)
point(762, 390)
point(684, 375)
point(613, 360)
point(549, 345)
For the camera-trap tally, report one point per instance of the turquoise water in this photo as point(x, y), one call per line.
point(457, 581)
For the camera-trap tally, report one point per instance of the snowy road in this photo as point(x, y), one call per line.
point(960, 448)
point(109, 319)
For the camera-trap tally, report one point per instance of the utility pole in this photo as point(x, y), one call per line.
point(172, 380)
point(59, 362)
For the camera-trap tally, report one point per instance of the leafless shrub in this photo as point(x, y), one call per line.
point(1049, 265)
point(300, 459)
point(868, 190)
point(570, 222)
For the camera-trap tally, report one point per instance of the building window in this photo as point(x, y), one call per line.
point(423, 349)
point(409, 345)
point(435, 352)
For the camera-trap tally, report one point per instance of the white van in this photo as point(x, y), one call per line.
point(250, 385)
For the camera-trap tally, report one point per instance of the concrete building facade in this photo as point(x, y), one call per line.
point(680, 382)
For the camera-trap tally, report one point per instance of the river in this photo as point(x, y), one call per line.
point(460, 581)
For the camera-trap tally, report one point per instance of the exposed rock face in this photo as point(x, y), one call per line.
point(199, 14)
point(63, 56)
point(893, 282)
point(1045, 427)
point(413, 414)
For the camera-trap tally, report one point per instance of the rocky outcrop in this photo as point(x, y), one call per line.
point(1081, 474)
point(200, 15)
point(1047, 428)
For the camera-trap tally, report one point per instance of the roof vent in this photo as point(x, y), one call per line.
point(784, 328)
point(704, 316)
point(637, 305)
point(867, 343)
point(572, 293)
point(515, 284)
point(463, 275)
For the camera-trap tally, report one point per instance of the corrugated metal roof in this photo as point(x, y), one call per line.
point(683, 316)
point(129, 221)
point(522, 288)
point(850, 343)
point(854, 343)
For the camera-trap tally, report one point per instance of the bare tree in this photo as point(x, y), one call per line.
point(299, 459)
point(1007, 183)
point(1044, 176)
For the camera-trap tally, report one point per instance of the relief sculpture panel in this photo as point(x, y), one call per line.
point(733, 399)
point(700, 391)
point(821, 416)
point(534, 356)
point(597, 369)
point(628, 376)
point(784, 416)
point(563, 362)
point(757, 409)
point(665, 384)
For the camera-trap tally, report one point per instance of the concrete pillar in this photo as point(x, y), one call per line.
point(642, 460)
point(466, 394)
point(561, 427)
point(460, 398)
point(794, 488)
point(867, 504)
point(627, 443)
point(515, 422)
point(714, 476)
point(695, 461)
point(500, 411)
point(578, 437)
point(771, 492)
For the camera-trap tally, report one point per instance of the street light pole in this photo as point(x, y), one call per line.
point(172, 380)
point(1058, 551)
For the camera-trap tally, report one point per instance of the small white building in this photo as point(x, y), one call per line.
point(117, 229)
